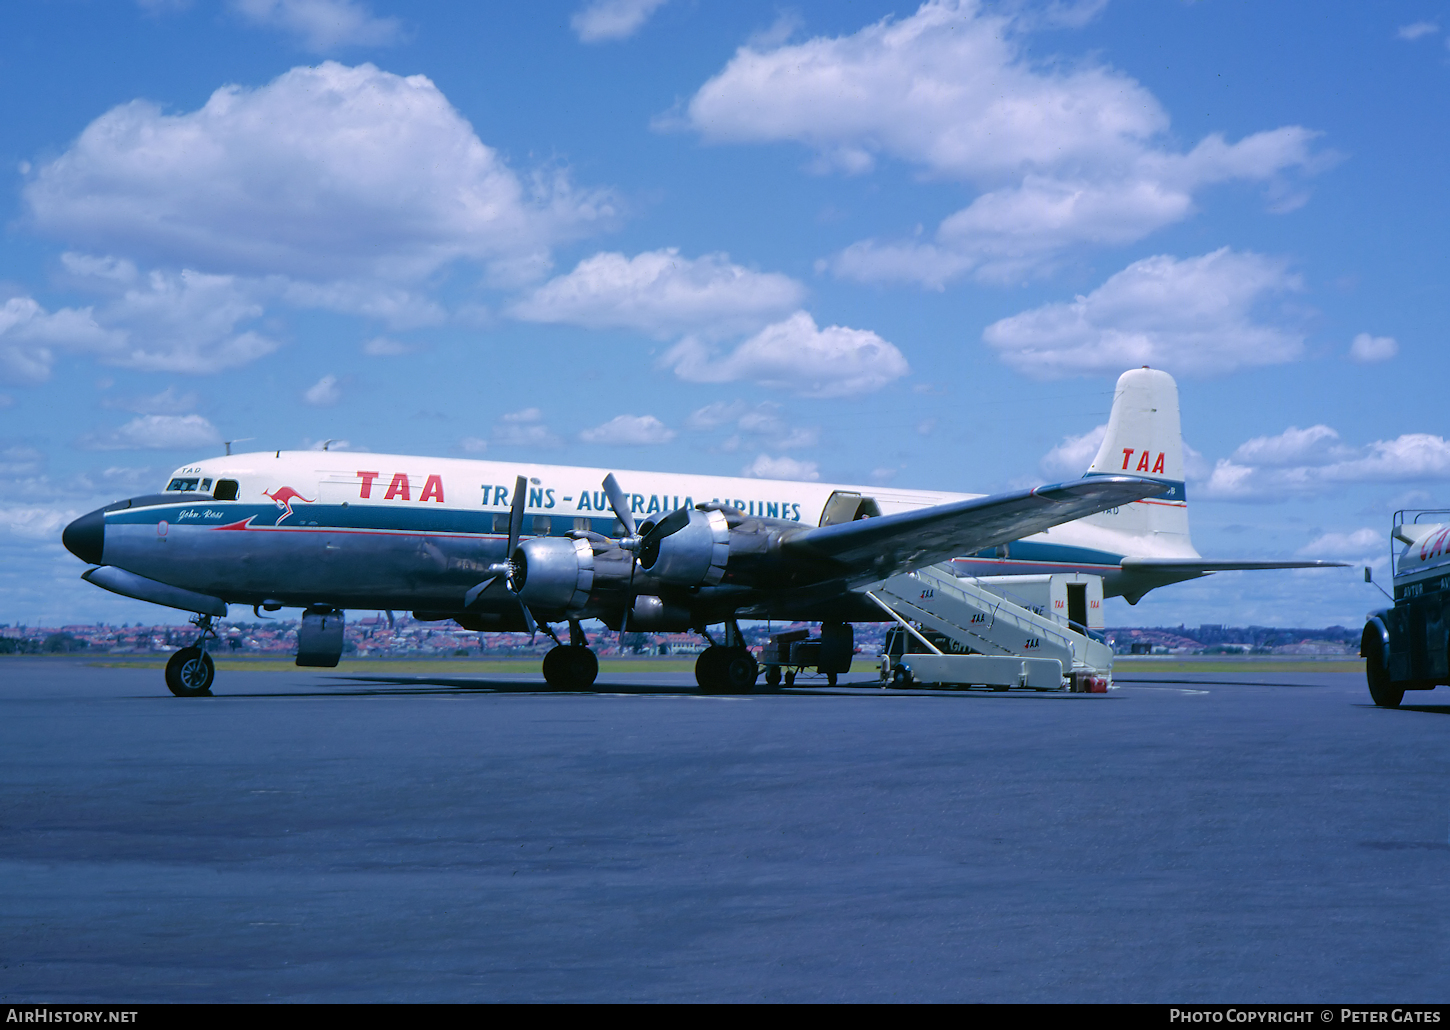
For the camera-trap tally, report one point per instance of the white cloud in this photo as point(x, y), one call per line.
point(1197, 316)
point(607, 20)
point(326, 173)
point(1417, 29)
point(524, 429)
point(1066, 153)
point(629, 430)
point(1360, 544)
point(321, 26)
point(28, 332)
point(1071, 458)
point(1310, 462)
point(156, 432)
point(762, 423)
point(1317, 445)
point(324, 393)
point(715, 414)
point(167, 402)
point(382, 347)
point(1367, 348)
point(661, 293)
point(766, 467)
point(473, 444)
point(798, 356)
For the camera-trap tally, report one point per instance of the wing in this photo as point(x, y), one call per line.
point(1203, 565)
point(880, 547)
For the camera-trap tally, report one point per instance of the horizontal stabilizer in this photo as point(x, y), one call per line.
point(1191, 565)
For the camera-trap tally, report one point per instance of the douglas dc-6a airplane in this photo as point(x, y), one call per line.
point(515, 545)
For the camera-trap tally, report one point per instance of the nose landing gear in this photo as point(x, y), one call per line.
point(190, 671)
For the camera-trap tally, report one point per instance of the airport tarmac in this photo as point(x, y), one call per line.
point(355, 836)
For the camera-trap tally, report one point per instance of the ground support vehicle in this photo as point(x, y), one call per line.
point(1407, 647)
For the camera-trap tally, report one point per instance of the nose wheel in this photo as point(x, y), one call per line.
point(189, 673)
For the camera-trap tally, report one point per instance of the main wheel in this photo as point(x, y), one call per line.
point(707, 667)
point(740, 671)
point(189, 673)
point(570, 667)
point(1382, 690)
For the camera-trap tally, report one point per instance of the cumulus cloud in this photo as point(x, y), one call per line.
point(629, 430)
point(167, 402)
point(524, 429)
point(1071, 458)
point(1359, 544)
point(28, 332)
point(382, 347)
point(1197, 316)
point(766, 467)
point(326, 173)
point(759, 425)
point(1367, 348)
point(663, 294)
point(607, 20)
point(155, 432)
point(1417, 29)
point(1064, 153)
point(1312, 462)
point(321, 26)
point(796, 355)
point(473, 444)
point(324, 393)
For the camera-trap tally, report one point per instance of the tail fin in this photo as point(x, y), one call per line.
point(1144, 438)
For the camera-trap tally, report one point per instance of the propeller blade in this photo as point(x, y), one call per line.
point(619, 501)
point(516, 515)
point(474, 592)
point(529, 621)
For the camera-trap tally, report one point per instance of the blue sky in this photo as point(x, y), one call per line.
point(860, 242)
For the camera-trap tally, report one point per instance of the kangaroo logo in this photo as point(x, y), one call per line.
point(283, 497)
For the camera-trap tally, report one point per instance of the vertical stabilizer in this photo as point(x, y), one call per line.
point(1144, 438)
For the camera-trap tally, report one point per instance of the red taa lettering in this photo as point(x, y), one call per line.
point(433, 489)
point(1127, 455)
point(399, 488)
point(1158, 466)
point(367, 484)
point(1143, 462)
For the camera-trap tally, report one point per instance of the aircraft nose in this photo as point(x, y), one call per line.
point(86, 536)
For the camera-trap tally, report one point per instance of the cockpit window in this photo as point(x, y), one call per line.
point(184, 485)
point(226, 490)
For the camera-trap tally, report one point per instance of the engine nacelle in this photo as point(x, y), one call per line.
point(657, 615)
point(688, 548)
point(554, 573)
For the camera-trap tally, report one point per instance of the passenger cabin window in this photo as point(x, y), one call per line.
point(543, 525)
point(184, 485)
point(226, 490)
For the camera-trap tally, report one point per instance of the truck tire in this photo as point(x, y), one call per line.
point(1382, 690)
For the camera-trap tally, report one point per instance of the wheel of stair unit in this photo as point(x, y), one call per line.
point(901, 676)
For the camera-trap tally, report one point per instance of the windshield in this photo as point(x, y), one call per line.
point(188, 484)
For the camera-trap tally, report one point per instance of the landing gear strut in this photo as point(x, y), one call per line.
point(190, 671)
point(571, 666)
point(729, 668)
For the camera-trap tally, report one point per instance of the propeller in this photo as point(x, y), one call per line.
point(506, 568)
point(619, 502)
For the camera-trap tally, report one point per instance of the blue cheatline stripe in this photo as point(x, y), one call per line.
point(376, 518)
point(1178, 491)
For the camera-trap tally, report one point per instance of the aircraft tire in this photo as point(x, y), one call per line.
point(707, 669)
point(740, 671)
point(1382, 690)
point(189, 673)
point(570, 667)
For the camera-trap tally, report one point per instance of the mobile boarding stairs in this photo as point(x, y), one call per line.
point(1012, 625)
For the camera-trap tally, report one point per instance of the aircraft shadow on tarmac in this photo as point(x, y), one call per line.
point(363, 686)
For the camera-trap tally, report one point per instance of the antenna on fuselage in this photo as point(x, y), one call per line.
point(230, 442)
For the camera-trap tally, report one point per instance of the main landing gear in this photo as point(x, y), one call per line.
point(570, 666)
point(729, 668)
point(190, 671)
